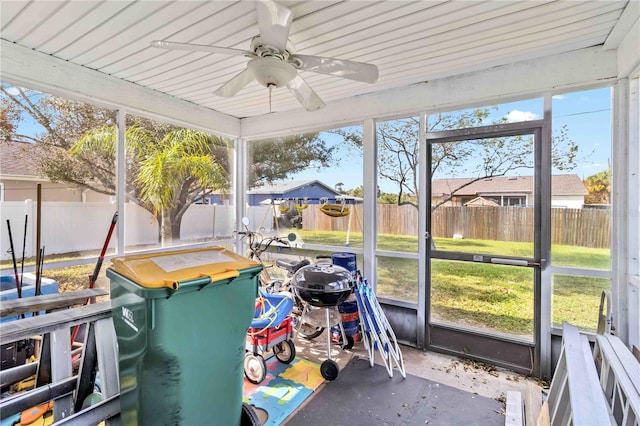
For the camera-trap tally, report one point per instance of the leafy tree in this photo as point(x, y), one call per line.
point(61, 123)
point(355, 192)
point(275, 159)
point(168, 168)
point(599, 187)
point(398, 153)
point(171, 173)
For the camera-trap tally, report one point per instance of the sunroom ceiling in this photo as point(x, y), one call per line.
point(410, 41)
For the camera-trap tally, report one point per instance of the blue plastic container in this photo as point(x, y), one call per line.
point(346, 260)
point(348, 307)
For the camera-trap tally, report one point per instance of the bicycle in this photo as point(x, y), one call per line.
point(258, 244)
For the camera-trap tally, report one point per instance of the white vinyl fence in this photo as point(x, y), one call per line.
point(70, 227)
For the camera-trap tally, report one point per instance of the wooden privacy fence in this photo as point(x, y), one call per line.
point(579, 227)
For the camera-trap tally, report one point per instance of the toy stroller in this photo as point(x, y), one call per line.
point(271, 328)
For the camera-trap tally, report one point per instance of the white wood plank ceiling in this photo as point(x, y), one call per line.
point(409, 41)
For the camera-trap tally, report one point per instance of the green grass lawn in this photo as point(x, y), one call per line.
point(494, 297)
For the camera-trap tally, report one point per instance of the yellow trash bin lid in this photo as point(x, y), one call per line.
point(170, 268)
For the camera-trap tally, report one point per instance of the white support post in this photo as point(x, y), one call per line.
point(625, 205)
point(370, 183)
point(424, 209)
point(633, 212)
point(546, 277)
point(240, 185)
point(121, 185)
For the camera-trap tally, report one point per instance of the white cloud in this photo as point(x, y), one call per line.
point(591, 166)
point(559, 97)
point(516, 115)
point(13, 91)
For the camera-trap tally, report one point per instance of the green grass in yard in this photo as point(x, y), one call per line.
point(495, 297)
point(581, 257)
point(576, 300)
point(398, 278)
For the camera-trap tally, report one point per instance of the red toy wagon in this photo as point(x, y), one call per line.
point(271, 328)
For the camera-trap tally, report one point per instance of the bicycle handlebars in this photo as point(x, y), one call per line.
point(258, 244)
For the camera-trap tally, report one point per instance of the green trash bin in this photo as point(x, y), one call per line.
point(181, 319)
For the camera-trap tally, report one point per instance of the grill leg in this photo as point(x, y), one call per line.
point(328, 332)
point(344, 335)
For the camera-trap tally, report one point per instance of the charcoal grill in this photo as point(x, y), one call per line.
point(325, 286)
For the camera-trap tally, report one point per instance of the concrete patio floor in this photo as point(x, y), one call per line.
point(484, 380)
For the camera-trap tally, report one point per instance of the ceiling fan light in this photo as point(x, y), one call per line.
point(271, 71)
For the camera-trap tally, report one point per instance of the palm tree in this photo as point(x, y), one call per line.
point(165, 175)
point(175, 172)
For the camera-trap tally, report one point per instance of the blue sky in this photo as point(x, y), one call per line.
point(587, 115)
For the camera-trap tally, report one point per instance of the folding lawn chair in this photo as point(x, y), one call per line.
point(376, 330)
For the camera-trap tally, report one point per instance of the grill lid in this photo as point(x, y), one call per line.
point(323, 278)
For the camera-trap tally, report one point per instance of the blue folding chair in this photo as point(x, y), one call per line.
point(377, 334)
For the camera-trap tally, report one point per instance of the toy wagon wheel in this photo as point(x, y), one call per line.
point(329, 369)
point(255, 369)
point(285, 351)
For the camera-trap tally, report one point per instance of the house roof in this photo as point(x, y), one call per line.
point(15, 160)
point(481, 202)
point(284, 186)
point(569, 184)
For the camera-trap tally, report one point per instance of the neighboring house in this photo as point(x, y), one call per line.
point(566, 191)
point(309, 191)
point(19, 178)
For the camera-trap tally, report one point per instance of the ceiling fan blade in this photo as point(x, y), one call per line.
point(274, 21)
point(201, 48)
point(237, 83)
point(352, 70)
point(305, 94)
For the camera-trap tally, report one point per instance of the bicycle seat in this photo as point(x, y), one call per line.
point(291, 266)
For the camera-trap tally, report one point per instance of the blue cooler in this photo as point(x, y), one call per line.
point(346, 260)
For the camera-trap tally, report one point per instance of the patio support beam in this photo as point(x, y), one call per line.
point(543, 281)
point(121, 183)
point(239, 185)
point(26, 67)
point(424, 211)
point(629, 44)
point(370, 179)
point(503, 83)
point(625, 204)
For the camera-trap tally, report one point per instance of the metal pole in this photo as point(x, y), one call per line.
point(38, 225)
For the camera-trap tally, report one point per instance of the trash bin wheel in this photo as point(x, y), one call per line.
point(285, 351)
point(349, 344)
point(255, 368)
point(249, 417)
point(329, 369)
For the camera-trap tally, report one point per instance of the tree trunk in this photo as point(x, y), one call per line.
point(166, 232)
point(175, 228)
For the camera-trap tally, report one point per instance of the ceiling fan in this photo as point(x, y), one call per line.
point(274, 63)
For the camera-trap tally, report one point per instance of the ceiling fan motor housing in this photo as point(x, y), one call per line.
point(270, 71)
